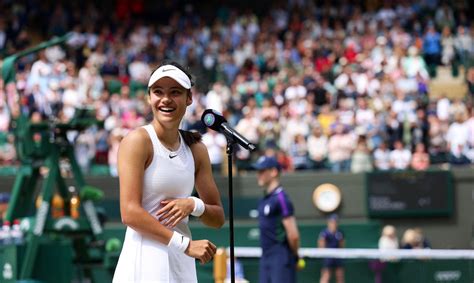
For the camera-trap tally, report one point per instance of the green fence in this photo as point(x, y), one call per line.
point(359, 271)
point(56, 265)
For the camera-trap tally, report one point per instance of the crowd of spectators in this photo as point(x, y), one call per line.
point(337, 85)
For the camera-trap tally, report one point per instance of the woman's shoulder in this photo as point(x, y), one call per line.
point(198, 148)
point(138, 139)
point(139, 133)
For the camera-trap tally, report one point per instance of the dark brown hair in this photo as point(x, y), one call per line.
point(190, 137)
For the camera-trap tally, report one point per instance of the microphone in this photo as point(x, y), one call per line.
point(214, 120)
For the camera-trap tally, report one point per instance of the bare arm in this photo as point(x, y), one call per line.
point(207, 189)
point(134, 151)
point(292, 233)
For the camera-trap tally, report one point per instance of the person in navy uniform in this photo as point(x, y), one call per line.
point(279, 236)
point(331, 237)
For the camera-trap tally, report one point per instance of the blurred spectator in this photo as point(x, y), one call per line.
point(326, 118)
point(269, 131)
point(216, 144)
point(414, 64)
point(248, 127)
point(382, 157)
point(458, 156)
point(102, 147)
point(285, 161)
point(293, 126)
point(404, 107)
point(437, 145)
point(4, 199)
point(218, 97)
point(420, 159)
point(470, 139)
point(394, 129)
point(420, 128)
point(138, 69)
point(447, 43)
point(432, 49)
point(463, 43)
point(318, 148)
point(457, 140)
point(388, 239)
point(457, 107)
point(400, 157)
point(113, 143)
point(364, 116)
point(444, 16)
point(4, 116)
point(298, 152)
point(424, 241)
point(470, 86)
point(442, 108)
point(361, 157)
point(411, 240)
point(414, 239)
point(7, 149)
point(345, 113)
point(71, 99)
point(84, 147)
point(3, 36)
point(340, 148)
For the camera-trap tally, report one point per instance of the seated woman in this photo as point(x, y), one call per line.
point(420, 160)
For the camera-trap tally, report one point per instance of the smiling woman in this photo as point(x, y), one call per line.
point(154, 204)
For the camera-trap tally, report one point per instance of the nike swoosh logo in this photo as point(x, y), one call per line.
point(172, 156)
point(166, 70)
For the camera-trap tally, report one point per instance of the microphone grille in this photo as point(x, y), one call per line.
point(209, 119)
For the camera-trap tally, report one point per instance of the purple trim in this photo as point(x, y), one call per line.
point(281, 198)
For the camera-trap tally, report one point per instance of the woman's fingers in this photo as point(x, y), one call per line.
point(209, 253)
point(167, 206)
point(174, 219)
point(202, 250)
point(214, 249)
point(172, 212)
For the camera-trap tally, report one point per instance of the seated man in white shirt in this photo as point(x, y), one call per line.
point(400, 157)
point(382, 157)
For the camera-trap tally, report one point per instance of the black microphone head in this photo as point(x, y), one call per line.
point(213, 119)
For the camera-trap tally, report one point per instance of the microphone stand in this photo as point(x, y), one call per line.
point(229, 151)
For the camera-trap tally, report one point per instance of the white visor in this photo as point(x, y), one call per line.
point(172, 72)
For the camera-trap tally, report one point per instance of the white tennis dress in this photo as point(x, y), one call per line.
point(170, 175)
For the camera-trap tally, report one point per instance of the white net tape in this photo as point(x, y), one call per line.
point(366, 253)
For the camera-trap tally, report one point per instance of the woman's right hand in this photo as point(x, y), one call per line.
point(203, 250)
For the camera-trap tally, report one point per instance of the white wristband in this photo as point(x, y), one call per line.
point(178, 242)
point(199, 207)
